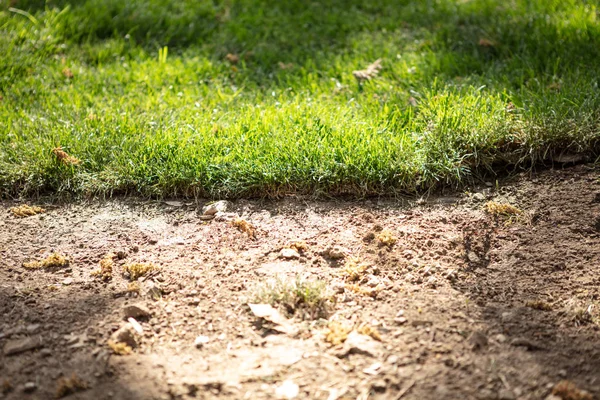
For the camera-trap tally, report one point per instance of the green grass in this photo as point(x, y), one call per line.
point(155, 108)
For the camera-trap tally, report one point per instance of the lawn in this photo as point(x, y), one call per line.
point(228, 98)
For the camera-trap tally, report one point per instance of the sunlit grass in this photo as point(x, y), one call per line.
point(155, 106)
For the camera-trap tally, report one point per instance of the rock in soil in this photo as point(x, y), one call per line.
point(126, 335)
point(21, 345)
point(138, 311)
point(213, 208)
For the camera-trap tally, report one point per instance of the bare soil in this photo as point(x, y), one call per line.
point(468, 305)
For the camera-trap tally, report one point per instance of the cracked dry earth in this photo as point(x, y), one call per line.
point(466, 305)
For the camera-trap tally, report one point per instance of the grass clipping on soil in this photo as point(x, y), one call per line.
point(66, 386)
point(244, 226)
point(119, 348)
point(307, 299)
point(106, 267)
point(54, 260)
point(137, 270)
point(26, 210)
point(503, 209)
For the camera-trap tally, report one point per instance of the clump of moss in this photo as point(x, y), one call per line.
point(337, 333)
point(120, 348)
point(386, 238)
point(54, 260)
point(244, 226)
point(307, 299)
point(66, 386)
point(106, 267)
point(503, 209)
point(26, 210)
point(137, 270)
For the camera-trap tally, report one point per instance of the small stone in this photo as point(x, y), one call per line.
point(213, 208)
point(29, 387)
point(392, 359)
point(478, 340)
point(32, 328)
point(479, 197)
point(287, 390)
point(22, 345)
point(121, 254)
point(153, 291)
point(379, 386)
point(336, 252)
point(125, 335)
point(201, 341)
point(137, 311)
point(67, 281)
point(432, 282)
point(505, 394)
point(357, 343)
point(289, 254)
point(45, 352)
point(400, 320)
point(500, 338)
point(473, 257)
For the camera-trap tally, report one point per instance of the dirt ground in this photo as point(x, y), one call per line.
point(465, 305)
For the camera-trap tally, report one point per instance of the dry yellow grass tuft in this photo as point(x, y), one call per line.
point(504, 209)
point(119, 348)
point(386, 238)
point(368, 73)
point(65, 158)
point(106, 267)
point(66, 386)
point(244, 226)
point(539, 305)
point(567, 390)
point(137, 270)
point(353, 271)
point(299, 246)
point(337, 333)
point(54, 260)
point(26, 211)
point(368, 330)
point(134, 287)
point(363, 290)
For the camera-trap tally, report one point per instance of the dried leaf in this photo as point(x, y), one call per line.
point(67, 73)
point(26, 211)
point(232, 58)
point(486, 43)
point(369, 73)
point(64, 157)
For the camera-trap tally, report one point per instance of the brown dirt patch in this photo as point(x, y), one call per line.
point(452, 302)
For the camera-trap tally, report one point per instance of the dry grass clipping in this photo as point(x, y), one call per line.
point(6, 387)
point(54, 260)
point(337, 333)
point(26, 211)
point(244, 226)
point(119, 348)
point(504, 209)
point(134, 287)
point(65, 158)
point(368, 330)
point(363, 290)
point(386, 238)
point(67, 386)
point(369, 73)
point(539, 305)
point(299, 246)
point(567, 390)
point(137, 270)
point(353, 271)
point(106, 267)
